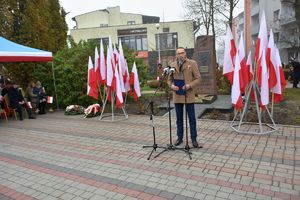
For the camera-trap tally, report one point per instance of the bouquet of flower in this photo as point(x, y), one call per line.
point(74, 110)
point(92, 111)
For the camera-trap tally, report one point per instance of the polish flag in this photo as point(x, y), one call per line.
point(277, 90)
point(249, 67)
point(236, 97)
point(244, 72)
point(134, 81)
point(261, 45)
point(251, 73)
point(229, 55)
point(122, 66)
point(118, 89)
point(102, 64)
point(116, 55)
point(92, 83)
point(126, 78)
point(264, 87)
point(109, 68)
point(97, 67)
point(270, 59)
point(49, 99)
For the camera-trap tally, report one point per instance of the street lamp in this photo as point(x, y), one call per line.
point(158, 42)
point(175, 40)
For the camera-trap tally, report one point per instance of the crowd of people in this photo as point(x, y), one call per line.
point(34, 99)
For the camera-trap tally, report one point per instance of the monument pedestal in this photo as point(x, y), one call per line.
point(205, 56)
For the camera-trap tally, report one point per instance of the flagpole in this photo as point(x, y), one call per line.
point(57, 107)
point(272, 108)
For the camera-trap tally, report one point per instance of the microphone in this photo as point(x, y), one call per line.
point(168, 70)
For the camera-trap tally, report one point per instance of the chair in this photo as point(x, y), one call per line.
point(2, 112)
point(12, 110)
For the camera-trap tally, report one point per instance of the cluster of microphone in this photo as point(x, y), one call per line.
point(168, 70)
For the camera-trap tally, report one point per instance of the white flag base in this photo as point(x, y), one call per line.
point(114, 116)
point(242, 126)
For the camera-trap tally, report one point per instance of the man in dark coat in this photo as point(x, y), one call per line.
point(17, 101)
point(296, 72)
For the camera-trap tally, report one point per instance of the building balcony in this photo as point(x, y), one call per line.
point(286, 20)
point(255, 10)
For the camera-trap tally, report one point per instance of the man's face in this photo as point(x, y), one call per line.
point(180, 54)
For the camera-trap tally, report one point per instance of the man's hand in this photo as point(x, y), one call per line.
point(186, 87)
point(174, 87)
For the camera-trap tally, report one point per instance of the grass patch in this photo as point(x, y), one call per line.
point(292, 94)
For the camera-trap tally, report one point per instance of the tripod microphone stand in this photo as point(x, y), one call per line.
point(170, 146)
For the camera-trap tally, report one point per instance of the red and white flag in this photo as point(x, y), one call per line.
point(122, 66)
point(134, 81)
point(109, 69)
point(92, 89)
point(126, 78)
point(229, 55)
point(102, 64)
point(118, 90)
point(264, 87)
point(236, 96)
point(244, 72)
point(271, 59)
point(281, 82)
point(250, 67)
point(251, 73)
point(49, 99)
point(261, 45)
point(97, 67)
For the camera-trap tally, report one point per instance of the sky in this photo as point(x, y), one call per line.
point(167, 10)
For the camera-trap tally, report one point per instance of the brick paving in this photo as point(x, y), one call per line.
point(69, 157)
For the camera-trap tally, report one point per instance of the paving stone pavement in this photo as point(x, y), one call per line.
point(69, 157)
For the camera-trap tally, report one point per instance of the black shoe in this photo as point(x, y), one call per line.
point(195, 143)
point(178, 142)
point(31, 117)
point(21, 118)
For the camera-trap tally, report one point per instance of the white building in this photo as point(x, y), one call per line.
point(280, 17)
point(153, 40)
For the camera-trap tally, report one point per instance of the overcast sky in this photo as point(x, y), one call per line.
point(167, 10)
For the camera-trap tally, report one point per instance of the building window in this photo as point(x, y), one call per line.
point(105, 40)
point(103, 25)
point(130, 22)
point(135, 42)
point(276, 37)
point(276, 16)
point(166, 41)
point(165, 30)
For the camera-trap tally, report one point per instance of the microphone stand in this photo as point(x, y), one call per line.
point(187, 147)
point(154, 146)
point(170, 146)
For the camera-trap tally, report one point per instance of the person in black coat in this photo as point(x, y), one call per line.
point(295, 72)
point(17, 101)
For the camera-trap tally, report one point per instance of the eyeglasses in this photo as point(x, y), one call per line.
point(180, 53)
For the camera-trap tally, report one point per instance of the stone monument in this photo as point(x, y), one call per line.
point(205, 56)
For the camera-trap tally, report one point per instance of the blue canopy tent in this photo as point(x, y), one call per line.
point(13, 52)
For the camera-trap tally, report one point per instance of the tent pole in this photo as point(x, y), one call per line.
point(57, 107)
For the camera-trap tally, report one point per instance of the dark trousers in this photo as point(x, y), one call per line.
point(42, 107)
point(295, 81)
point(19, 110)
point(179, 120)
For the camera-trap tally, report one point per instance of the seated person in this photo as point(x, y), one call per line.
point(30, 97)
point(42, 98)
point(17, 100)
